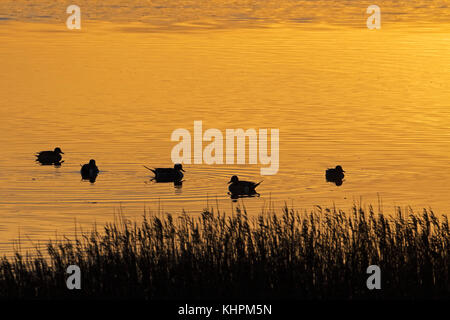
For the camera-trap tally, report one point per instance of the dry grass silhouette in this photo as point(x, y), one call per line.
point(316, 255)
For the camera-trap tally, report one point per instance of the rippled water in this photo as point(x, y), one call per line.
point(376, 102)
point(209, 14)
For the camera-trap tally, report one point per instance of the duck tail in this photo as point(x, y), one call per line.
point(150, 169)
point(257, 184)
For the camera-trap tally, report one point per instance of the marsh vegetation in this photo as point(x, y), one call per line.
point(293, 254)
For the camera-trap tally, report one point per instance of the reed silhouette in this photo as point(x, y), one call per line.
point(298, 255)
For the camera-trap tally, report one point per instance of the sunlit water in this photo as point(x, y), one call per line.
point(375, 101)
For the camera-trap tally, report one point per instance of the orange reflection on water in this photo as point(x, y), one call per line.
point(375, 102)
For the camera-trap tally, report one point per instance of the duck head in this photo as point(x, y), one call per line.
point(58, 151)
point(178, 167)
point(233, 179)
point(92, 162)
point(339, 169)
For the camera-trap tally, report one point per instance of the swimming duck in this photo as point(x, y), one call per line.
point(89, 171)
point(335, 175)
point(49, 157)
point(238, 187)
point(168, 174)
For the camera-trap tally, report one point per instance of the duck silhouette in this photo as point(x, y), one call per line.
point(50, 157)
point(242, 188)
point(168, 174)
point(89, 171)
point(335, 175)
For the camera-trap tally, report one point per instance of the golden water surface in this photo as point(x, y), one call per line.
point(376, 102)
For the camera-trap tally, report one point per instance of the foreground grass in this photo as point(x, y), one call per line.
point(317, 255)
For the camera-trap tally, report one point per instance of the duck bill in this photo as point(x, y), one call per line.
point(229, 182)
point(182, 170)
